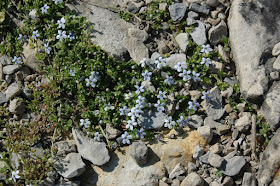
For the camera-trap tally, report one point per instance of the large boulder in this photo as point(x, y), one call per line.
point(252, 38)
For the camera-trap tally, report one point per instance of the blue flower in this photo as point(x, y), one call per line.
point(141, 100)
point(97, 136)
point(45, 9)
point(196, 76)
point(158, 137)
point(124, 111)
point(206, 61)
point(160, 62)
point(126, 138)
point(169, 80)
point(161, 95)
point(47, 48)
point(91, 82)
point(159, 106)
point(143, 62)
point(185, 75)
point(71, 36)
point(130, 124)
point(193, 105)
point(57, 1)
point(147, 75)
point(206, 49)
point(21, 37)
point(72, 72)
point(61, 23)
point(206, 95)
point(169, 123)
point(180, 66)
point(16, 60)
point(85, 123)
point(35, 34)
point(141, 134)
point(139, 89)
point(61, 35)
point(182, 121)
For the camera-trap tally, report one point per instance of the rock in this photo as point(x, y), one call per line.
point(222, 129)
point(212, 3)
point(217, 66)
point(193, 179)
point(65, 147)
point(170, 105)
point(228, 181)
point(206, 133)
point(223, 53)
point(269, 160)
point(204, 158)
point(199, 33)
point(227, 93)
point(216, 149)
point(175, 182)
point(3, 98)
point(10, 69)
point(248, 22)
point(248, 179)
point(217, 32)
point(214, 22)
point(139, 152)
point(191, 167)
point(148, 86)
point(182, 40)
point(111, 132)
point(275, 182)
point(199, 9)
point(177, 11)
point(197, 152)
point(232, 166)
point(1, 72)
point(152, 119)
point(274, 75)
point(136, 48)
point(208, 121)
point(109, 29)
point(5, 60)
point(27, 93)
point(276, 49)
point(30, 77)
point(190, 21)
point(173, 59)
point(131, 7)
point(162, 183)
point(162, 47)
point(17, 107)
point(243, 123)
point(214, 108)
point(270, 107)
point(177, 171)
point(195, 94)
point(95, 152)
point(30, 59)
point(162, 6)
point(215, 160)
point(228, 108)
point(276, 64)
point(13, 90)
point(193, 15)
point(196, 121)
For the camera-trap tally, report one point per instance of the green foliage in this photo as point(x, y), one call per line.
point(219, 173)
point(264, 128)
point(226, 43)
point(125, 15)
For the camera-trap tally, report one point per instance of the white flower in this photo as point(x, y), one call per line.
point(91, 81)
point(15, 175)
point(45, 9)
point(47, 48)
point(97, 136)
point(147, 75)
point(143, 62)
point(57, 1)
point(72, 72)
point(61, 23)
point(161, 95)
point(130, 124)
point(169, 80)
point(206, 49)
point(61, 35)
point(169, 123)
point(139, 89)
point(180, 66)
point(16, 60)
point(206, 61)
point(35, 34)
point(161, 62)
point(126, 138)
point(128, 95)
point(85, 123)
point(185, 75)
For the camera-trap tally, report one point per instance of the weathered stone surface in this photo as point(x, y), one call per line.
point(152, 120)
point(139, 152)
point(216, 149)
point(193, 179)
point(198, 151)
point(1, 72)
point(5, 60)
point(95, 152)
point(270, 160)
point(30, 59)
point(177, 171)
point(109, 29)
point(199, 33)
point(248, 21)
point(248, 179)
point(204, 158)
point(196, 121)
point(212, 3)
point(177, 11)
point(174, 59)
point(208, 121)
point(243, 123)
point(111, 132)
point(215, 160)
point(206, 133)
point(9, 69)
point(148, 85)
point(13, 90)
point(222, 129)
point(17, 107)
point(214, 107)
point(232, 166)
point(276, 49)
point(3, 98)
point(65, 147)
point(71, 166)
point(141, 35)
point(182, 40)
point(270, 107)
point(200, 9)
point(217, 32)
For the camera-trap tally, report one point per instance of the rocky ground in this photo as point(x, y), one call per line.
point(223, 144)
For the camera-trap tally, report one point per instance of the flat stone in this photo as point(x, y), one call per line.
point(198, 151)
point(173, 59)
point(248, 179)
point(17, 107)
point(177, 171)
point(152, 120)
point(65, 147)
point(177, 11)
point(212, 3)
point(199, 9)
point(13, 90)
point(139, 152)
point(3, 98)
point(10, 69)
point(199, 33)
point(111, 132)
point(276, 64)
point(206, 133)
point(208, 121)
point(222, 129)
point(148, 86)
point(71, 166)
point(217, 32)
point(30, 59)
point(215, 160)
point(5, 60)
point(196, 121)
point(95, 152)
point(193, 179)
point(182, 40)
point(141, 35)
point(232, 166)
point(216, 148)
point(193, 15)
point(204, 158)
point(243, 123)
point(276, 49)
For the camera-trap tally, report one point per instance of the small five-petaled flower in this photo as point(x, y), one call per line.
point(15, 175)
point(97, 136)
point(85, 122)
point(35, 34)
point(126, 138)
point(45, 9)
point(193, 105)
point(16, 60)
point(206, 95)
point(206, 49)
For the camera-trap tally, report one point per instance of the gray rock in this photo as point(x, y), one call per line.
point(109, 29)
point(5, 60)
point(95, 152)
point(276, 182)
point(193, 179)
point(198, 151)
point(269, 160)
point(217, 32)
point(276, 49)
point(204, 158)
point(190, 21)
point(175, 182)
point(215, 160)
point(3, 98)
point(250, 24)
point(199, 9)
point(177, 11)
point(173, 59)
point(227, 93)
point(148, 86)
point(65, 147)
point(182, 40)
point(62, 182)
point(131, 7)
point(206, 133)
point(216, 149)
point(195, 94)
point(222, 129)
point(177, 171)
point(139, 152)
point(213, 22)
point(232, 166)
point(27, 93)
point(191, 167)
point(208, 121)
point(9, 69)
point(212, 3)
point(276, 64)
point(30, 59)
point(199, 33)
point(152, 120)
point(17, 107)
point(243, 123)
point(111, 132)
point(1, 72)
point(193, 15)
point(270, 107)
point(196, 121)
point(248, 179)
point(170, 105)
point(162, 47)
point(228, 181)
point(13, 90)
point(214, 108)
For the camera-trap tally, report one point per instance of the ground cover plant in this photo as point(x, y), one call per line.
point(88, 88)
